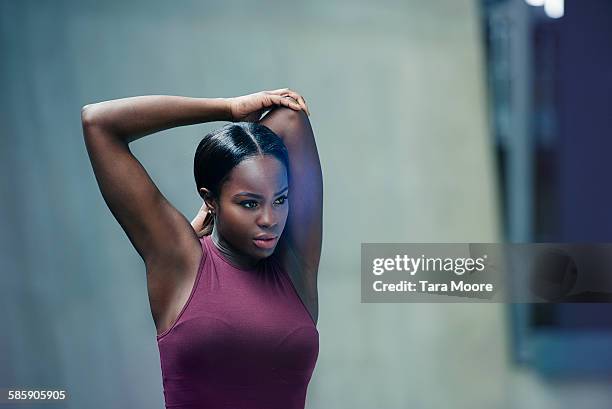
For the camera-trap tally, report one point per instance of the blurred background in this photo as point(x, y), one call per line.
point(436, 121)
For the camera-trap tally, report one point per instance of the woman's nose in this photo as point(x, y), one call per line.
point(267, 217)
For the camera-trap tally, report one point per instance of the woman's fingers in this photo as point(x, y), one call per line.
point(281, 100)
point(288, 92)
point(204, 208)
point(303, 101)
point(250, 107)
point(300, 101)
point(298, 98)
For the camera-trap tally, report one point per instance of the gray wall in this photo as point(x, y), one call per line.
point(396, 91)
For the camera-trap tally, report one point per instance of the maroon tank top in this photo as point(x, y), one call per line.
point(243, 340)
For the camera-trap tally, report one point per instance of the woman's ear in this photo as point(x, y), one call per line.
point(203, 192)
point(208, 199)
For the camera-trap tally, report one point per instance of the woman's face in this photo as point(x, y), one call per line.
point(254, 202)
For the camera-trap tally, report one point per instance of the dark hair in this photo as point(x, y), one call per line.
point(224, 148)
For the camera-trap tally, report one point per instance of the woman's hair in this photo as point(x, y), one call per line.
point(224, 148)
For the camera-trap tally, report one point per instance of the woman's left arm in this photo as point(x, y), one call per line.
point(300, 245)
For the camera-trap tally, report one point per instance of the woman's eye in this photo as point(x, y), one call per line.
point(282, 199)
point(249, 202)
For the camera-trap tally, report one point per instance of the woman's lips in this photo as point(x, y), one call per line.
point(265, 244)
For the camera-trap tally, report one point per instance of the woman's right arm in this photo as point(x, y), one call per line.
point(161, 235)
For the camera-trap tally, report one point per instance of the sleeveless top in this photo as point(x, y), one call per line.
point(243, 340)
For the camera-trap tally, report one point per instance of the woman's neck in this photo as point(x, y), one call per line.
point(237, 258)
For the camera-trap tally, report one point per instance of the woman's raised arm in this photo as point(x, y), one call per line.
point(300, 246)
point(158, 232)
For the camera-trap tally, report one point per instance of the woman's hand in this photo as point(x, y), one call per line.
point(249, 108)
point(198, 222)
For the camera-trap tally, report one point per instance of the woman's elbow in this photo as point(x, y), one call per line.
point(87, 115)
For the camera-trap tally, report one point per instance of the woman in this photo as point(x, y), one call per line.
point(235, 305)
